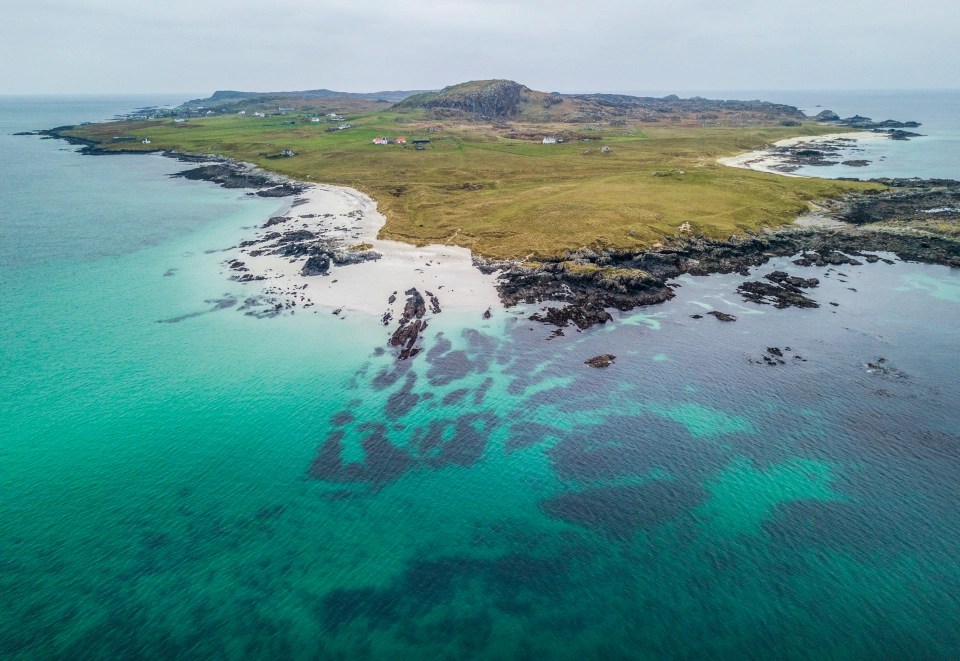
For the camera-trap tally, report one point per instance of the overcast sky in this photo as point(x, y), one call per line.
point(114, 46)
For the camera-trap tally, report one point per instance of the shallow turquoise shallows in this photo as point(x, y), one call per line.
point(181, 480)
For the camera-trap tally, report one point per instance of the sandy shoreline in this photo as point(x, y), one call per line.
point(771, 158)
point(349, 218)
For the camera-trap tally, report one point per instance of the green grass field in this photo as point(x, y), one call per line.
point(510, 198)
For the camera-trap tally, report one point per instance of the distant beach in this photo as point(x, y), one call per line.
point(778, 157)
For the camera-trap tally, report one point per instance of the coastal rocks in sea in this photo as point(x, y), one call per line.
point(891, 127)
point(240, 267)
point(232, 174)
point(261, 307)
point(408, 334)
point(882, 367)
point(415, 307)
point(283, 190)
point(586, 282)
point(898, 134)
point(722, 316)
point(321, 253)
point(829, 257)
point(784, 279)
point(913, 219)
point(865, 123)
point(783, 292)
point(603, 360)
point(582, 316)
point(819, 152)
point(405, 338)
point(775, 356)
point(227, 174)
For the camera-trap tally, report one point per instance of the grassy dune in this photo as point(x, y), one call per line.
point(512, 198)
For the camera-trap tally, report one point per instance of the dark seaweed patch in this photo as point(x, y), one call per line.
point(590, 460)
point(467, 443)
point(449, 367)
point(224, 303)
point(342, 418)
point(385, 462)
point(480, 393)
point(328, 465)
point(431, 437)
point(455, 396)
point(519, 583)
point(441, 346)
point(525, 434)
point(479, 344)
point(403, 400)
point(618, 512)
point(270, 513)
point(632, 446)
point(389, 375)
point(836, 525)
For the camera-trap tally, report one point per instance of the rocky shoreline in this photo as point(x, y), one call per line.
point(916, 220)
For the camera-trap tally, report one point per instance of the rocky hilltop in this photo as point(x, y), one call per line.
point(508, 100)
point(488, 98)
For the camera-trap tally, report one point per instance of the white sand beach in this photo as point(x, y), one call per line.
point(351, 218)
point(769, 159)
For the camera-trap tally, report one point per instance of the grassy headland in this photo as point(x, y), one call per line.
point(488, 183)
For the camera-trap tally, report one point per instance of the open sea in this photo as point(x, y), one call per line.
point(231, 487)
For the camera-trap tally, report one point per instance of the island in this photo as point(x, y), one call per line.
point(586, 201)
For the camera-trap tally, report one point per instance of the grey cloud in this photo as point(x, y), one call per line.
point(63, 46)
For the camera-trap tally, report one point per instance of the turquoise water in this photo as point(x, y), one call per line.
point(226, 486)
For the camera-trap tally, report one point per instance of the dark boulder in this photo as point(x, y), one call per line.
point(316, 265)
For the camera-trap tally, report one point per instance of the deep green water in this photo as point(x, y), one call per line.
point(230, 487)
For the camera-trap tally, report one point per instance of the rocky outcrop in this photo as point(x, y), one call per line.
point(782, 295)
point(905, 200)
point(722, 316)
point(412, 323)
point(910, 218)
point(487, 98)
point(316, 265)
point(893, 128)
point(859, 122)
point(603, 360)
